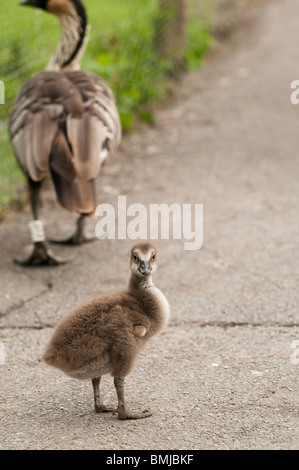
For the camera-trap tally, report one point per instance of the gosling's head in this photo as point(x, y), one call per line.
point(143, 259)
point(57, 7)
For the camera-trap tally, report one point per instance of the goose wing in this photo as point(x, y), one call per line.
point(41, 108)
point(99, 110)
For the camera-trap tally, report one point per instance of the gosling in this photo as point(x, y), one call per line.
point(106, 335)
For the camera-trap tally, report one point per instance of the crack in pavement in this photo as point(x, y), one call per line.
point(215, 324)
point(22, 303)
point(234, 324)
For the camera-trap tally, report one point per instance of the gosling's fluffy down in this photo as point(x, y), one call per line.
point(105, 335)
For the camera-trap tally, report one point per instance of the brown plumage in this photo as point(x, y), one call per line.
point(60, 121)
point(66, 121)
point(106, 335)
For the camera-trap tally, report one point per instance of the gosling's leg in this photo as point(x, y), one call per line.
point(78, 237)
point(40, 255)
point(98, 404)
point(122, 411)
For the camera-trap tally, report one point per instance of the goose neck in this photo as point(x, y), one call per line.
point(72, 44)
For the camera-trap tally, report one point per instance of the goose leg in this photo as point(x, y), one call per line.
point(98, 404)
point(122, 411)
point(40, 255)
point(78, 236)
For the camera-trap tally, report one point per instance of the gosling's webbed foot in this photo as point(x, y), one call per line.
point(123, 414)
point(122, 411)
point(41, 256)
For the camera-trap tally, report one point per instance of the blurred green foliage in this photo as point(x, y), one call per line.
point(121, 49)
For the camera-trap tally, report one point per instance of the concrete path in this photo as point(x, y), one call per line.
point(224, 374)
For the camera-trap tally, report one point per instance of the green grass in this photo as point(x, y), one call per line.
point(120, 49)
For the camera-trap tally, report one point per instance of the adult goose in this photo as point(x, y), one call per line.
point(65, 120)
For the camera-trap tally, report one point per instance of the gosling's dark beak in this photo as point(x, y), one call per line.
point(144, 268)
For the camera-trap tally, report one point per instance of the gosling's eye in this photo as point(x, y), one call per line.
point(135, 257)
point(153, 257)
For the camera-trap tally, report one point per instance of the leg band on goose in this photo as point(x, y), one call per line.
point(36, 228)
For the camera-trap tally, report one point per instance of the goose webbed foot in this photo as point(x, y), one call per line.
point(122, 411)
point(40, 256)
point(77, 237)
